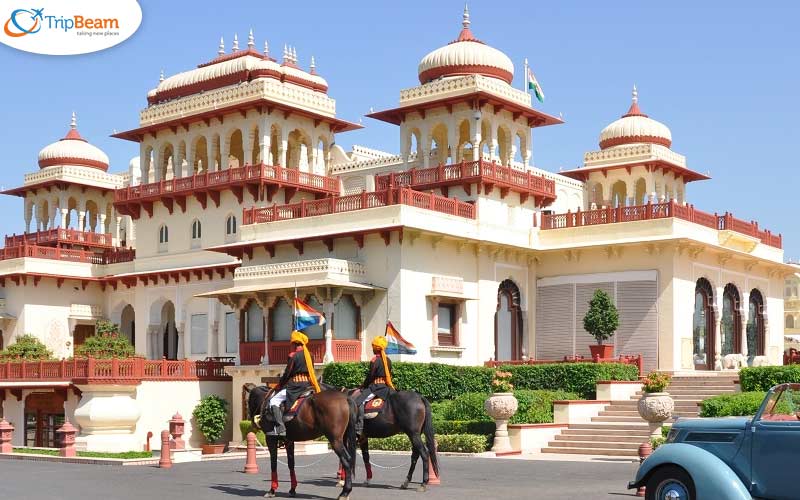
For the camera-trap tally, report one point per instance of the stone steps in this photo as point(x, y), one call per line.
point(605, 438)
point(608, 452)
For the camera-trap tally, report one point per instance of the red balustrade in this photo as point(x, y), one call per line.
point(469, 172)
point(60, 236)
point(225, 178)
point(68, 254)
point(651, 211)
point(340, 204)
point(252, 353)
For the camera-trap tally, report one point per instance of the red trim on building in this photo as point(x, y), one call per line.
point(465, 69)
point(635, 139)
point(50, 162)
point(582, 174)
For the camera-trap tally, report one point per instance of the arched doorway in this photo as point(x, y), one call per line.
point(508, 323)
point(731, 326)
point(756, 333)
point(44, 413)
point(127, 324)
point(169, 333)
point(703, 326)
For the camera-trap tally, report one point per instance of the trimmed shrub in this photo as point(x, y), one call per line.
point(468, 406)
point(479, 427)
point(106, 343)
point(211, 415)
point(763, 378)
point(247, 426)
point(535, 407)
point(725, 405)
point(454, 443)
point(26, 348)
point(439, 382)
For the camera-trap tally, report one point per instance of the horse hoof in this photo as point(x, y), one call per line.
point(421, 489)
point(340, 483)
point(366, 482)
point(292, 493)
point(342, 497)
point(270, 494)
point(404, 486)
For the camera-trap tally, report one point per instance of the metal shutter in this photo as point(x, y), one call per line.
point(638, 326)
point(583, 294)
point(554, 335)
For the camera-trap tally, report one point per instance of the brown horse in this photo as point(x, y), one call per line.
point(328, 413)
point(408, 413)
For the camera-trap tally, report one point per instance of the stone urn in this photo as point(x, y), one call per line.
point(655, 408)
point(501, 406)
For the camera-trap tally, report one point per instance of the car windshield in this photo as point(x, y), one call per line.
point(783, 404)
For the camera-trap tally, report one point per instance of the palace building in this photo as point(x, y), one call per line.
point(241, 198)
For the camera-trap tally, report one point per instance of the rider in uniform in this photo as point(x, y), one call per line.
point(296, 379)
point(378, 382)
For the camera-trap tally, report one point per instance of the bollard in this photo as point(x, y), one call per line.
point(251, 466)
point(433, 478)
point(645, 449)
point(66, 441)
point(6, 433)
point(165, 462)
point(176, 426)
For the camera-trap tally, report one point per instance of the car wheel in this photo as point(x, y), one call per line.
point(670, 483)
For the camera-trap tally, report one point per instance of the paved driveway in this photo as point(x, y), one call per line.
point(462, 478)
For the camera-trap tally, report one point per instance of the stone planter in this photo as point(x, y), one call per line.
point(213, 449)
point(602, 351)
point(501, 406)
point(655, 408)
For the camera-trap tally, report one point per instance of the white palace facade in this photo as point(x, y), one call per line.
point(240, 196)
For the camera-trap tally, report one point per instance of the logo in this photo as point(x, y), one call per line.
point(58, 27)
point(375, 403)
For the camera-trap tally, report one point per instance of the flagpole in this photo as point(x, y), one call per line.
point(525, 79)
point(294, 308)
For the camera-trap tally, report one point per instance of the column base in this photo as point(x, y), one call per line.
point(109, 443)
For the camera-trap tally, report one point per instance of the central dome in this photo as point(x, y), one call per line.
point(466, 56)
point(635, 127)
point(73, 150)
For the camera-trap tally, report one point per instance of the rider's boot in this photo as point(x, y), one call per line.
point(360, 420)
point(277, 414)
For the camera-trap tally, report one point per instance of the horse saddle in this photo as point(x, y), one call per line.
point(292, 411)
point(373, 407)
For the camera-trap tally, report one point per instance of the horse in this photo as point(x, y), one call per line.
point(404, 412)
point(328, 413)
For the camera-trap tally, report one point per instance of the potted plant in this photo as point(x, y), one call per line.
point(501, 406)
point(601, 321)
point(655, 405)
point(211, 415)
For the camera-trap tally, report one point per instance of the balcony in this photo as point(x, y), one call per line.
point(59, 236)
point(251, 353)
point(486, 174)
point(110, 256)
point(341, 204)
point(257, 179)
point(650, 211)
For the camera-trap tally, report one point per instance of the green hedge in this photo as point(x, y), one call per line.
point(763, 378)
point(480, 427)
point(439, 382)
point(247, 426)
point(535, 407)
point(455, 443)
point(745, 403)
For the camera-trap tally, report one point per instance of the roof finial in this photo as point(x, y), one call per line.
point(251, 42)
point(235, 42)
point(294, 55)
point(313, 65)
point(266, 48)
point(465, 23)
point(221, 50)
point(161, 77)
point(635, 94)
point(285, 54)
point(73, 124)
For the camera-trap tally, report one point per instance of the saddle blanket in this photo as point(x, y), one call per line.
point(291, 412)
point(373, 407)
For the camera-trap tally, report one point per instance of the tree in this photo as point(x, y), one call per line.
point(26, 347)
point(211, 416)
point(602, 318)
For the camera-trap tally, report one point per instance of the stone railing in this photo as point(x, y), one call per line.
point(90, 175)
point(61, 236)
point(344, 268)
point(384, 161)
point(110, 256)
point(649, 151)
point(465, 84)
point(251, 353)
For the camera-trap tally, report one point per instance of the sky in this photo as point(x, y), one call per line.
point(722, 75)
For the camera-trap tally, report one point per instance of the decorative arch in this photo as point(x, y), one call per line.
point(731, 324)
point(231, 226)
point(200, 155)
point(640, 191)
point(508, 322)
point(756, 325)
point(522, 146)
point(704, 326)
point(91, 216)
point(439, 136)
point(619, 193)
point(504, 143)
point(165, 168)
point(127, 324)
point(275, 145)
point(163, 234)
point(169, 333)
point(789, 322)
point(298, 149)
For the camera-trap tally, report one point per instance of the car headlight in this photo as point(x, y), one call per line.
point(673, 433)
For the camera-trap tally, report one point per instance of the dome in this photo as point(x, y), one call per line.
point(635, 127)
point(465, 56)
point(73, 150)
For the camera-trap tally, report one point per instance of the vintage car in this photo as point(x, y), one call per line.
point(730, 457)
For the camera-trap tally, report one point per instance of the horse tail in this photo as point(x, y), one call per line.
point(350, 438)
point(430, 442)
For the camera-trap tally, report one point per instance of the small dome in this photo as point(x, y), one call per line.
point(466, 56)
point(635, 127)
point(73, 150)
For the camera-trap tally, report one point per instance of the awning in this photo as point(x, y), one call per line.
point(267, 287)
point(450, 295)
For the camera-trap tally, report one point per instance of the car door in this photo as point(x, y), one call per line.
point(775, 445)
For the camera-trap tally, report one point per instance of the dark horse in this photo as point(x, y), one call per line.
point(328, 413)
point(404, 412)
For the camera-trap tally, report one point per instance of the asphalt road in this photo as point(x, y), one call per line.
point(462, 478)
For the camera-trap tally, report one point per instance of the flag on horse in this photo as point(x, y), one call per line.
point(396, 343)
point(306, 316)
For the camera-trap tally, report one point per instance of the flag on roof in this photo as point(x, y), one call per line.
point(533, 84)
point(397, 344)
point(305, 315)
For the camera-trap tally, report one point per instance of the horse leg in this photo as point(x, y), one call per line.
point(414, 457)
point(340, 475)
point(290, 461)
point(419, 446)
point(344, 460)
point(365, 455)
point(272, 445)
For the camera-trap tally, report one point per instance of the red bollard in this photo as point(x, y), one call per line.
point(433, 478)
point(645, 450)
point(176, 425)
point(67, 439)
point(251, 466)
point(165, 462)
point(6, 432)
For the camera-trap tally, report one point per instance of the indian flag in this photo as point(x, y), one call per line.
point(306, 316)
point(533, 84)
point(397, 344)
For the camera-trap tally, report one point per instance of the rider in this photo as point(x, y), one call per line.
point(378, 381)
point(296, 379)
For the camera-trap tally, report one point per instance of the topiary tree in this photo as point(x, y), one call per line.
point(211, 415)
point(602, 318)
point(106, 343)
point(26, 347)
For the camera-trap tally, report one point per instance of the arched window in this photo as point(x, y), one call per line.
point(789, 321)
point(280, 320)
point(163, 238)
point(756, 340)
point(730, 336)
point(345, 318)
point(197, 229)
point(230, 225)
point(703, 325)
point(508, 323)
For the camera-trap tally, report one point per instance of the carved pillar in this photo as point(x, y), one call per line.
point(327, 310)
point(102, 228)
point(283, 147)
point(81, 220)
point(435, 321)
point(154, 347)
point(426, 154)
point(64, 213)
point(28, 215)
point(180, 352)
point(718, 330)
point(264, 141)
point(247, 148)
point(745, 314)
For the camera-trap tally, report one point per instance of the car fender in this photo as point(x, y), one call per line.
point(712, 477)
